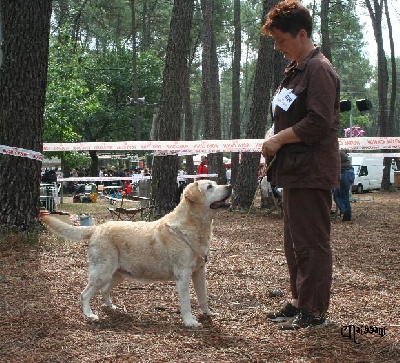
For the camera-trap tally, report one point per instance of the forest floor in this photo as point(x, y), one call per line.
point(41, 318)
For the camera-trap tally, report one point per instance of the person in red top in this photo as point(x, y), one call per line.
point(202, 168)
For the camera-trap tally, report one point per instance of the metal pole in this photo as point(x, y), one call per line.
point(135, 74)
point(351, 116)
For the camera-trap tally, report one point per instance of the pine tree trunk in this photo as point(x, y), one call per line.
point(165, 168)
point(22, 96)
point(376, 13)
point(235, 120)
point(210, 93)
point(188, 114)
point(392, 103)
point(326, 42)
point(246, 183)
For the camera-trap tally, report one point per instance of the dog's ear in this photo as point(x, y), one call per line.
point(193, 193)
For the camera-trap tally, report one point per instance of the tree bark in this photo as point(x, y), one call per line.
point(187, 110)
point(246, 183)
point(210, 89)
point(387, 162)
point(237, 55)
point(376, 13)
point(326, 42)
point(165, 168)
point(23, 78)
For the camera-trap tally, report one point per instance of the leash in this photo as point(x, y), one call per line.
point(264, 173)
point(183, 237)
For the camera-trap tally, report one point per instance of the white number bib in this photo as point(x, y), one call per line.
point(284, 99)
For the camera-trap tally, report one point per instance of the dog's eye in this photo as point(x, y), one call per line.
point(209, 186)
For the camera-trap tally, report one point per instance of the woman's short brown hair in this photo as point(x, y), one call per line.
point(288, 16)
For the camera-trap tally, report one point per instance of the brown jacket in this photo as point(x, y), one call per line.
point(314, 116)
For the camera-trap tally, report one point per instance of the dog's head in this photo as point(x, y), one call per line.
point(208, 193)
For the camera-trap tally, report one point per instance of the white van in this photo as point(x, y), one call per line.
point(368, 171)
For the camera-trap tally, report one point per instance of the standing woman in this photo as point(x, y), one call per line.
point(307, 166)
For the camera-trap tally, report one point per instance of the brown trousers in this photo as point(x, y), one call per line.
point(307, 229)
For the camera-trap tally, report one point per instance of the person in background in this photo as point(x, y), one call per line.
point(342, 195)
point(181, 177)
point(102, 174)
point(122, 174)
point(136, 175)
point(74, 173)
point(112, 172)
point(102, 171)
point(203, 167)
point(181, 184)
point(228, 175)
point(72, 185)
point(305, 145)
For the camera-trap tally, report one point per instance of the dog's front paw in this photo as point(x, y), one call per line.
point(92, 317)
point(191, 323)
point(207, 312)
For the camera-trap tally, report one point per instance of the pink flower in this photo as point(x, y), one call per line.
point(356, 132)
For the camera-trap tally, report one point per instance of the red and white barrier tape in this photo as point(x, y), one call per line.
point(130, 178)
point(24, 153)
point(213, 146)
point(160, 148)
point(105, 178)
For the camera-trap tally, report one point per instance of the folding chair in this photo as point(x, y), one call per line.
point(121, 213)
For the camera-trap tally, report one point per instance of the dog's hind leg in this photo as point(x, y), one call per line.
point(199, 284)
point(86, 295)
point(182, 285)
point(106, 289)
point(102, 265)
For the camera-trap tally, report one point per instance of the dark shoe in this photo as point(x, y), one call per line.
point(285, 314)
point(346, 216)
point(303, 320)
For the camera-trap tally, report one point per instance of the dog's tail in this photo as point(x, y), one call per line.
point(68, 231)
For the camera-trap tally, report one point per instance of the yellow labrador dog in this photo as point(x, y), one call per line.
point(174, 247)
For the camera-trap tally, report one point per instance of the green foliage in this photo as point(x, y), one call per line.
point(347, 43)
point(251, 22)
point(87, 91)
point(90, 73)
point(355, 72)
point(75, 159)
point(68, 100)
point(373, 94)
point(361, 120)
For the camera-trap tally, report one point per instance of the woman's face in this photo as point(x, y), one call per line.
point(291, 48)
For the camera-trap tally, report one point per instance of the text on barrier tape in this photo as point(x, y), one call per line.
point(23, 153)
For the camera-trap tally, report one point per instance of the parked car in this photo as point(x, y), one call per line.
point(368, 171)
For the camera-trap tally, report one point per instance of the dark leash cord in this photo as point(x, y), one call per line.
point(264, 173)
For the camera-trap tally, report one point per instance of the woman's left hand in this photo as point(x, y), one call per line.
point(270, 146)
